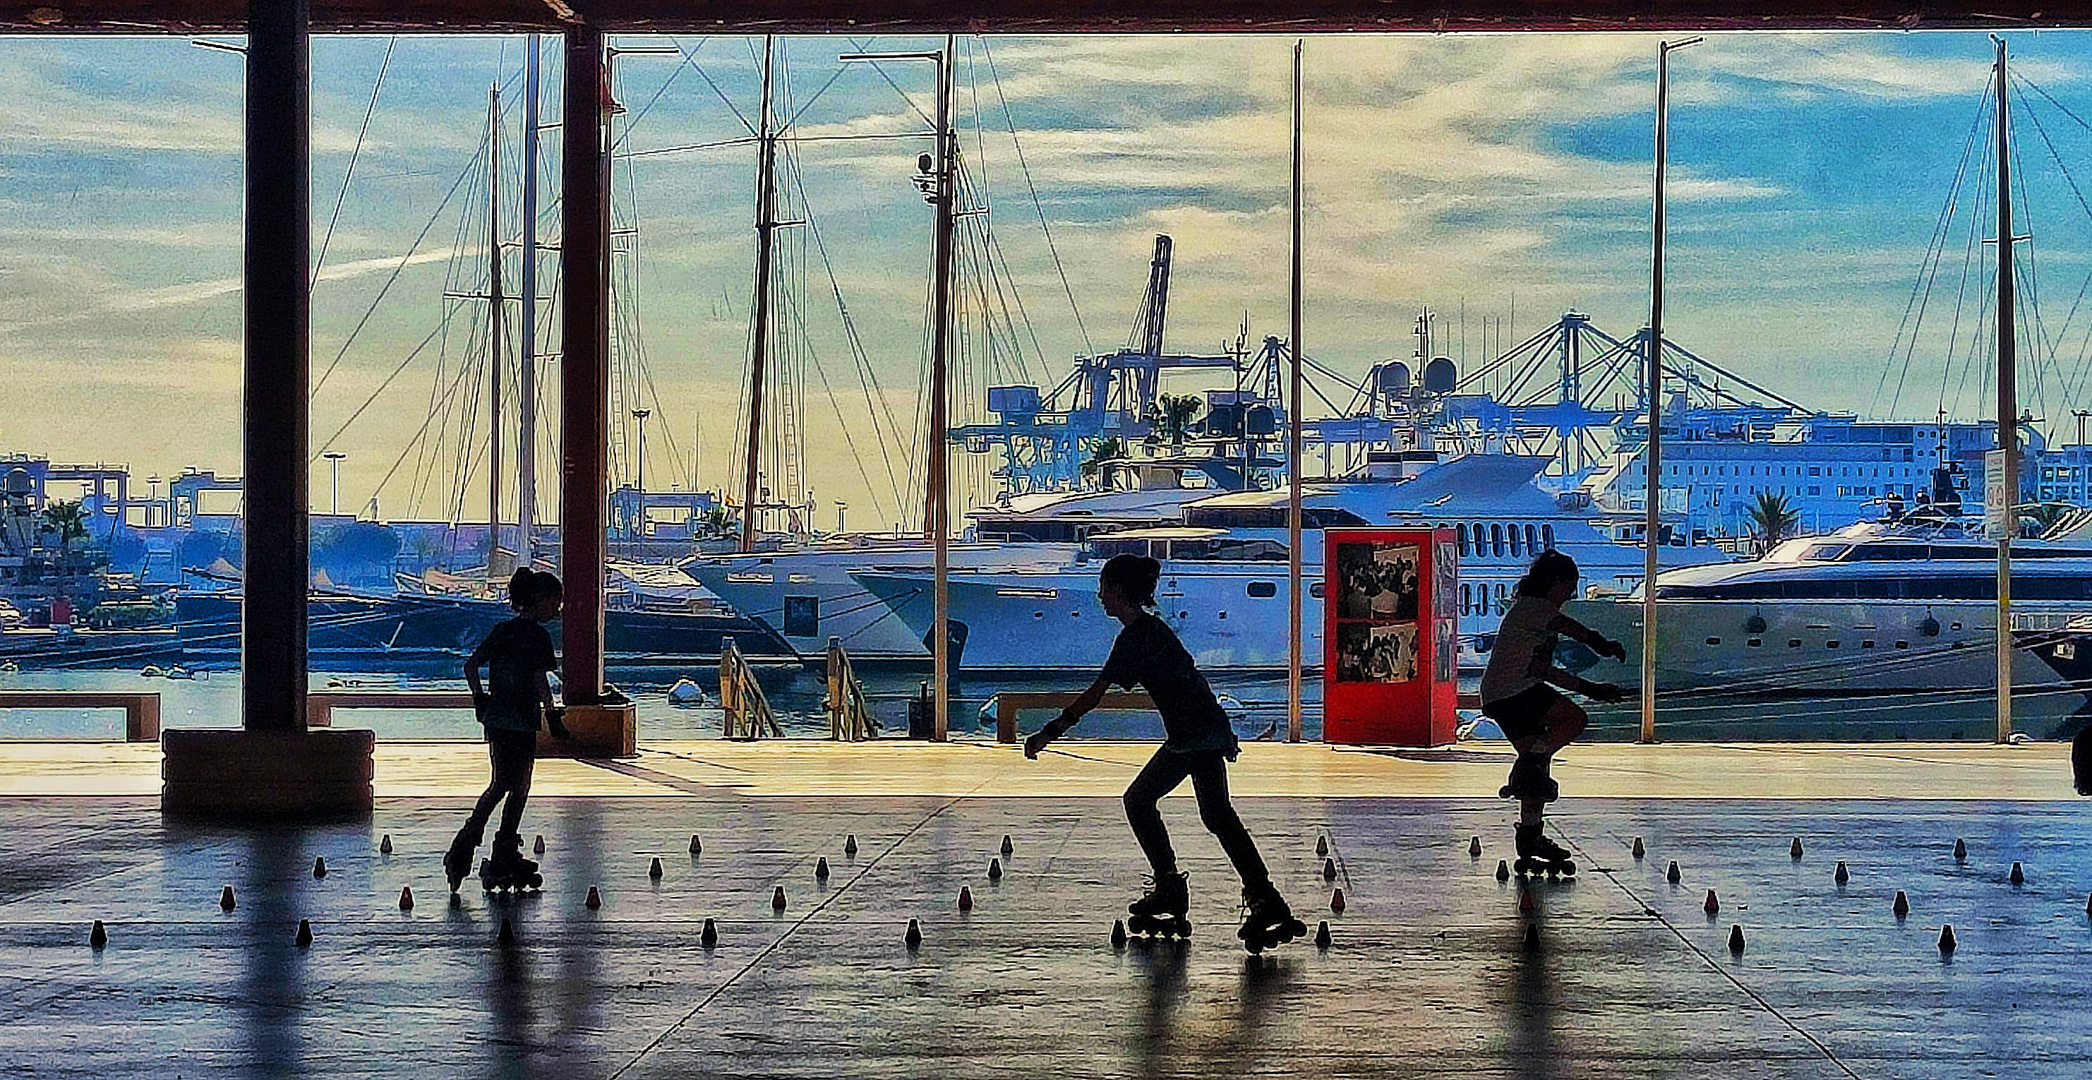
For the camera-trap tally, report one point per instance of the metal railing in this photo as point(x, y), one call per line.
point(746, 711)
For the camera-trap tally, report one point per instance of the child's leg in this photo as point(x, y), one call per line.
point(1209, 779)
point(475, 829)
point(1159, 777)
point(1561, 725)
point(514, 760)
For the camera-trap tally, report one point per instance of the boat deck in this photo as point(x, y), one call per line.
point(1426, 971)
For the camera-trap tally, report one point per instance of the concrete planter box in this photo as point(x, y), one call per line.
point(266, 773)
point(599, 731)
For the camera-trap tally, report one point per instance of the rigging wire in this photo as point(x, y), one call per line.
point(689, 60)
point(348, 174)
point(2072, 385)
point(1935, 253)
point(471, 169)
point(859, 45)
point(1010, 121)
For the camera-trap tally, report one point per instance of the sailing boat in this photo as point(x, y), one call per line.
point(801, 586)
point(440, 616)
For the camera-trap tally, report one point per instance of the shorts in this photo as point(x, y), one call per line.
point(1523, 715)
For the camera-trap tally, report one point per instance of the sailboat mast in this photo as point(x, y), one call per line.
point(1294, 464)
point(937, 508)
point(527, 370)
point(2008, 407)
point(494, 303)
point(765, 225)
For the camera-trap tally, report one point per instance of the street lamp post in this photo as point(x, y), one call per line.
point(334, 464)
point(939, 186)
point(1652, 392)
point(639, 527)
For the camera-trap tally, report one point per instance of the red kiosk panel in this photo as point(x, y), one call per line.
point(1391, 626)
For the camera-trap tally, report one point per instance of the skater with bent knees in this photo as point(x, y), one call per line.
point(1199, 744)
point(516, 697)
point(1538, 719)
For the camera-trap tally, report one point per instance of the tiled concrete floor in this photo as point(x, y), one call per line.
point(1426, 974)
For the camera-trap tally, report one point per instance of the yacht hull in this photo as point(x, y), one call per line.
point(1883, 668)
point(804, 598)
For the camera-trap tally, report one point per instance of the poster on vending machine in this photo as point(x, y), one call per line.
point(1391, 630)
point(1378, 593)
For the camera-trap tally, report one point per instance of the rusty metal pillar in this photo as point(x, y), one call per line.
point(585, 364)
point(275, 409)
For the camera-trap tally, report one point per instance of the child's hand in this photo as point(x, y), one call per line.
point(1608, 647)
point(1036, 743)
point(555, 719)
point(480, 703)
point(1606, 692)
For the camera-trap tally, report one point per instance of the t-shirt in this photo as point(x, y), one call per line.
point(515, 652)
point(1147, 654)
point(1524, 651)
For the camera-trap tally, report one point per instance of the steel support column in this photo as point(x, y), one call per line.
point(584, 371)
point(274, 411)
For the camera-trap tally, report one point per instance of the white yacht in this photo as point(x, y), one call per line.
point(1224, 570)
point(1824, 634)
point(807, 594)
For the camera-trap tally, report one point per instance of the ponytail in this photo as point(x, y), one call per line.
point(1547, 571)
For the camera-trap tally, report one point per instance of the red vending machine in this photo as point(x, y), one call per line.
point(1391, 629)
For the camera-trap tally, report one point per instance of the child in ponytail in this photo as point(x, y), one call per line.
point(515, 699)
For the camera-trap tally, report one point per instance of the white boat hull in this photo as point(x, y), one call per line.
point(825, 602)
point(1841, 666)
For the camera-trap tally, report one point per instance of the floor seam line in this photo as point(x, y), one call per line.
point(794, 928)
point(1666, 923)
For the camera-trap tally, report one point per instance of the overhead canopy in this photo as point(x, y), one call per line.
point(1040, 16)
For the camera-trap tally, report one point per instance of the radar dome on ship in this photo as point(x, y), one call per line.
point(1441, 376)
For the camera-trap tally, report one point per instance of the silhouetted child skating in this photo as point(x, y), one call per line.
point(511, 704)
point(1199, 744)
point(1538, 719)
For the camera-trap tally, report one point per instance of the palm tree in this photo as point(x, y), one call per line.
point(1101, 451)
point(69, 521)
point(1178, 411)
point(1771, 520)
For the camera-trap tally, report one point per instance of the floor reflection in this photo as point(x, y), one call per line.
point(271, 1001)
point(1531, 1049)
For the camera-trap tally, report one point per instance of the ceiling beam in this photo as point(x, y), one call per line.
point(1046, 16)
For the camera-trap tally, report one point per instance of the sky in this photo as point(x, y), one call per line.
point(1475, 174)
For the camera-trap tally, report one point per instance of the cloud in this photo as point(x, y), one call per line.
point(107, 297)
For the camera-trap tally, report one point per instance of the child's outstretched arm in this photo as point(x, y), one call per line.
point(1575, 683)
point(1074, 712)
point(1576, 631)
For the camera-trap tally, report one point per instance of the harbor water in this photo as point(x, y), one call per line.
point(210, 698)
